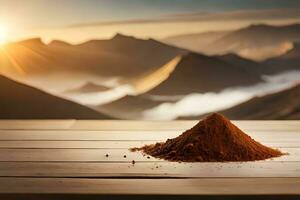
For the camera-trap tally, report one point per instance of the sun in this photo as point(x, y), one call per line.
point(3, 34)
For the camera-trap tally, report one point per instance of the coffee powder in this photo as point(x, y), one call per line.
point(212, 139)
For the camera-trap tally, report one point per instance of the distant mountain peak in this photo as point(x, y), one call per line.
point(32, 41)
point(88, 87)
point(254, 26)
point(191, 55)
point(230, 55)
point(58, 43)
point(236, 57)
point(120, 36)
point(261, 26)
point(296, 45)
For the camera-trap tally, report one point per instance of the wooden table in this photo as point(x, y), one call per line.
point(52, 159)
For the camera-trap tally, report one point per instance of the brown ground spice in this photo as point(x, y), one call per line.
point(212, 139)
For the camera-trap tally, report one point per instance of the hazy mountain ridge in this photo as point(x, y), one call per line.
point(122, 55)
point(283, 105)
point(128, 107)
point(260, 35)
point(257, 42)
point(197, 42)
point(147, 54)
point(198, 73)
point(19, 101)
point(88, 88)
point(288, 61)
point(247, 64)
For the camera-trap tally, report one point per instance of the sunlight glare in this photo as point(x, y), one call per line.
point(3, 34)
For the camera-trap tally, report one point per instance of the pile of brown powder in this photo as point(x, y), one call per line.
point(213, 139)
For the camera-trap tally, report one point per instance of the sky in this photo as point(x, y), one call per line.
point(85, 19)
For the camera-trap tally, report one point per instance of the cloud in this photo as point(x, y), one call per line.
point(99, 98)
point(267, 14)
point(260, 14)
point(197, 104)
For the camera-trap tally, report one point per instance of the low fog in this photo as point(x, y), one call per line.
point(99, 98)
point(197, 104)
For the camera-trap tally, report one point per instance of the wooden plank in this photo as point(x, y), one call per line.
point(180, 125)
point(137, 125)
point(203, 186)
point(99, 155)
point(41, 144)
point(265, 136)
point(80, 144)
point(36, 124)
point(69, 157)
point(161, 169)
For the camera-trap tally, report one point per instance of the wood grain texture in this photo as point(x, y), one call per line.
point(137, 125)
point(99, 155)
point(69, 157)
point(91, 144)
point(267, 136)
point(36, 124)
point(150, 169)
point(179, 125)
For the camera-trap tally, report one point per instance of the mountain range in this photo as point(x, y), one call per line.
point(124, 56)
point(129, 58)
point(152, 67)
point(257, 42)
